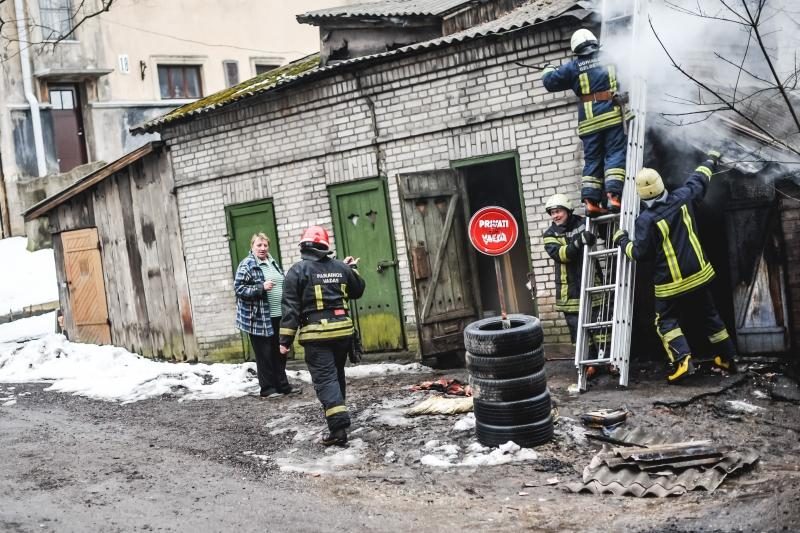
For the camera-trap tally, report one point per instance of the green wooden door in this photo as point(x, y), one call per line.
point(363, 229)
point(244, 221)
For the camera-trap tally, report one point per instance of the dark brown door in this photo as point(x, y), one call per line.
point(433, 215)
point(67, 126)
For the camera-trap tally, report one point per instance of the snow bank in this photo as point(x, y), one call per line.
point(28, 328)
point(115, 374)
point(26, 278)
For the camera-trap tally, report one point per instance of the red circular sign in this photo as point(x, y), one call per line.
point(493, 230)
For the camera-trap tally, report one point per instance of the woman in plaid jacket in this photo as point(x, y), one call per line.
point(258, 285)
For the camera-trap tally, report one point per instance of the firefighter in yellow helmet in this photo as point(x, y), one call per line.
point(316, 295)
point(667, 232)
point(564, 241)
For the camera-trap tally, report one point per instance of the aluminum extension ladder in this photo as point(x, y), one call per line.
point(607, 274)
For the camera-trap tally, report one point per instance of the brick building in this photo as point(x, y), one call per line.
point(451, 110)
point(394, 150)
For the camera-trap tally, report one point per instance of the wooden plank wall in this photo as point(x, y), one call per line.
point(135, 212)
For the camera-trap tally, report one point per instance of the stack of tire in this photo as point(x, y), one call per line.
point(509, 386)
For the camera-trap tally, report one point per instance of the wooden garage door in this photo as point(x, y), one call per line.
point(84, 273)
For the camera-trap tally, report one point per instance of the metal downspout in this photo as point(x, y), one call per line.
point(36, 119)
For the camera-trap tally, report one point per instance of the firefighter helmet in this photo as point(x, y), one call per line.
point(649, 184)
point(558, 200)
point(583, 42)
point(316, 235)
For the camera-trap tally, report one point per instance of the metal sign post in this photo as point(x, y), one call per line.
point(493, 231)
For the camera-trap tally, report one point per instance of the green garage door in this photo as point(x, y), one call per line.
point(363, 229)
point(245, 220)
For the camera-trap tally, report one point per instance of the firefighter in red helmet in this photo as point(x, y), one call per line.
point(316, 295)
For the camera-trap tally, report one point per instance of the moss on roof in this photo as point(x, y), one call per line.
point(260, 83)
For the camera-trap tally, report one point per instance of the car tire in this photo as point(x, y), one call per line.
point(514, 413)
point(487, 336)
point(525, 435)
point(506, 366)
point(509, 390)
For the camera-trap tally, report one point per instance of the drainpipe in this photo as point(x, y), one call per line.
point(36, 119)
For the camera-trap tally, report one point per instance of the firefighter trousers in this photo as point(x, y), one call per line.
point(668, 311)
point(325, 361)
point(598, 339)
point(603, 163)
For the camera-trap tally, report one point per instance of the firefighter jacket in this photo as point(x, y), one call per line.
point(586, 75)
point(561, 244)
point(316, 293)
point(667, 231)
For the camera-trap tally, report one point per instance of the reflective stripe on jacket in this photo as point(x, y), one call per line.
point(559, 243)
point(667, 231)
point(586, 75)
point(316, 295)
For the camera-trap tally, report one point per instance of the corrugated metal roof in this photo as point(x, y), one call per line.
point(390, 8)
point(306, 69)
point(618, 471)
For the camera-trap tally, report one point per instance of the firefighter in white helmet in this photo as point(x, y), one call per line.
point(600, 121)
point(564, 241)
point(667, 232)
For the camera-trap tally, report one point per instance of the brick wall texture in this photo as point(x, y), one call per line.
point(412, 114)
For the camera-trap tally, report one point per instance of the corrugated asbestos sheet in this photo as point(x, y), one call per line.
point(392, 8)
point(308, 68)
point(660, 464)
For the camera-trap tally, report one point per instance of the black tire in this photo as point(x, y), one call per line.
point(525, 435)
point(509, 390)
point(506, 366)
point(487, 336)
point(525, 411)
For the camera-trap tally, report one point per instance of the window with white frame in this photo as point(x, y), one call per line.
point(56, 18)
point(231, 72)
point(179, 81)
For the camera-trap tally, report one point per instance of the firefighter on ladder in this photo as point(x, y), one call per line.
point(316, 295)
point(601, 121)
point(564, 241)
point(667, 231)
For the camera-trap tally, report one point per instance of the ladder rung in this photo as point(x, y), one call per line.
point(603, 218)
point(600, 288)
point(619, 17)
point(604, 360)
point(605, 251)
point(599, 324)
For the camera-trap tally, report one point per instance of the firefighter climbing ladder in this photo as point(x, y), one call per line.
point(608, 275)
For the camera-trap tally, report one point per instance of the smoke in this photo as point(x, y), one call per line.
point(713, 69)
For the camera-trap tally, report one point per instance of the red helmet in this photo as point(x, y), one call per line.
point(316, 235)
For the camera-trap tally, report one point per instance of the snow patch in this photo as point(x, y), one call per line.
point(743, 406)
point(335, 459)
point(26, 278)
point(447, 455)
point(465, 423)
point(29, 328)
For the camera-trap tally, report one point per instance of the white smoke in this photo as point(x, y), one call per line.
point(714, 42)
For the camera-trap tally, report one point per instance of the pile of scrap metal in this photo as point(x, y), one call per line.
point(654, 464)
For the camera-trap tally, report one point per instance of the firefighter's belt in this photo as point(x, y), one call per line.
point(326, 330)
point(323, 314)
point(599, 96)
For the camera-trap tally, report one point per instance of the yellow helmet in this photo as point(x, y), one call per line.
point(649, 184)
point(558, 200)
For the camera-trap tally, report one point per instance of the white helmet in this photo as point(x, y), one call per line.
point(558, 200)
point(583, 42)
point(649, 184)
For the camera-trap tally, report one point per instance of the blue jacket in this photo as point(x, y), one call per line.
point(586, 75)
point(252, 304)
point(667, 231)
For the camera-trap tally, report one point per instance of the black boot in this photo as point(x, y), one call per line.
point(337, 437)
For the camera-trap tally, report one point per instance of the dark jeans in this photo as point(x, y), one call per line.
point(325, 361)
point(270, 364)
point(598, 339)
point(668, 314)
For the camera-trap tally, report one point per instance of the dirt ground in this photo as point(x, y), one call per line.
point(72, 464)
